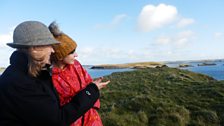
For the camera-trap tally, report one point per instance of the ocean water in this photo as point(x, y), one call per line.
point(95, 73)
point(215, 71)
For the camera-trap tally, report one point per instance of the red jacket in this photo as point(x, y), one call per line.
point(68, 82)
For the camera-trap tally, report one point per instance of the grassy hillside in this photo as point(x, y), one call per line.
point(162, 97)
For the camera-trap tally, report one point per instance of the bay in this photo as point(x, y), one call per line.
point(215, 71)
point(96, 73)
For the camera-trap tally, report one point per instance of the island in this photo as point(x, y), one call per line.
point(185, 65)
point(137, 65)
point(206, 64)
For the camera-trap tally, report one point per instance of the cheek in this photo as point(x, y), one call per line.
point(50, 50)
point(47, 51)
point(69, 59)
point(72, 58)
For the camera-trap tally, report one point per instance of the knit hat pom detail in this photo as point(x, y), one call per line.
point(54, 29)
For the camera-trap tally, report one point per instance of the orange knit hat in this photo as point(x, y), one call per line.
point(66, 46)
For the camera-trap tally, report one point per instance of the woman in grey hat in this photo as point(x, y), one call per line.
point(27, 96)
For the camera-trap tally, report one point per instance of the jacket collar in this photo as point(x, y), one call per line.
point(19, 59)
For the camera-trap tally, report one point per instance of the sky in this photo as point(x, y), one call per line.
point(124, 31)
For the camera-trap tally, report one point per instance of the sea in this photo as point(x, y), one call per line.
point(96, 73)
point(216, 71)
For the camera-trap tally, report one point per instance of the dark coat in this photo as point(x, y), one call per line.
point(29, 101)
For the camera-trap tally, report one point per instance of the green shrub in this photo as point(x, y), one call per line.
point(162, 97)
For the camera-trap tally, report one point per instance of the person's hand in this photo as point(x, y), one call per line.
point(101, 84)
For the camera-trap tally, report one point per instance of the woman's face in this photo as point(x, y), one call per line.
point(69, 59)
point(43, 53)
point(48, 50)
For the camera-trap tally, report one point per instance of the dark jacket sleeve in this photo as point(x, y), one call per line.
point(81, 103)
point(27, 104)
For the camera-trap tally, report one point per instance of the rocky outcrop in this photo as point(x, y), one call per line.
point(148, 66)
point(185, 65)
point(206, 64)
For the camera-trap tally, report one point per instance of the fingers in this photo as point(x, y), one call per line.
point(98, 80)
point(107, 82)
point(101, 84)
point(104, 84)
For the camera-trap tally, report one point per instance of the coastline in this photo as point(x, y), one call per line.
point(136, 65)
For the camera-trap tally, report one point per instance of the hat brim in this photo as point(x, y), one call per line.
point(35, 43)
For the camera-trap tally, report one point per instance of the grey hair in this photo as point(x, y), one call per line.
point(54, 29)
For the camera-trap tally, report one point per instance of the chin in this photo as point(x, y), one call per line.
point(71, 63)
point(47, 62)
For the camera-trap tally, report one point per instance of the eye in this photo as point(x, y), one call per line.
point(72, 52)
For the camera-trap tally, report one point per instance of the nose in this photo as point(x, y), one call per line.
point(75, 54)
point(52, 49)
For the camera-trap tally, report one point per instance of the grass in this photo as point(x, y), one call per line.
point(162, 97)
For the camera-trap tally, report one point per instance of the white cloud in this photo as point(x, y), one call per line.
point(178, 40)
point(109, 55)
point(153, 17)
point(185, 22)
point(5, 55)
point(187, 33)
point(86, 51)
point(218, 35)
point(5, 50)
point(163, 40)
point(5, 38)
point(184, 37)
point(118, 19)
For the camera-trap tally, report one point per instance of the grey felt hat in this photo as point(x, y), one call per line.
point(32, 33)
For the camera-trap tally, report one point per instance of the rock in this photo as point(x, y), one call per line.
point(206, 64)
point(97, 67)
point(185, 65)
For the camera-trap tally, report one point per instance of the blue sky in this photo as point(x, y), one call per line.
point(123, 31)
